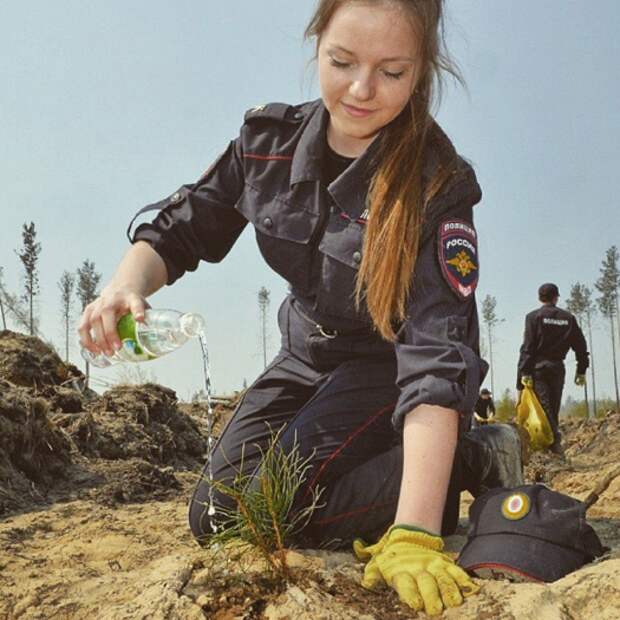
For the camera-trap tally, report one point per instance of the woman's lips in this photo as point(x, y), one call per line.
point(356, 112)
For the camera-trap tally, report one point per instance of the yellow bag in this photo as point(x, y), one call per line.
point(532, 417)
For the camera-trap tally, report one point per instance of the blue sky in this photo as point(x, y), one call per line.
point(108, 106)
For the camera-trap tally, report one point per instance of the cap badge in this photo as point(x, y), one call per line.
point(516, 506)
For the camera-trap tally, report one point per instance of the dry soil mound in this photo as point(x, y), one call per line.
point(59, 440)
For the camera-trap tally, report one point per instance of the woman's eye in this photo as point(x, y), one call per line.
point(393, 76)
point(337, 63)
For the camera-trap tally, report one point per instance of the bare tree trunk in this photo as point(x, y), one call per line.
point(613, 353)
point(264, 321)
point(31, 307)
point(592, 366)
point(2, 312)
point(618, 315)
point(67, 338)
point(491, 359)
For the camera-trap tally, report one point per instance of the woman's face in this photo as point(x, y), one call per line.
point(367, 71)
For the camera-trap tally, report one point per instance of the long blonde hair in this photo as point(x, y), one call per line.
point(398, 192)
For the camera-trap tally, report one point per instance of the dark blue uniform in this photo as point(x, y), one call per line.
point(549, 334)
point(335, 384)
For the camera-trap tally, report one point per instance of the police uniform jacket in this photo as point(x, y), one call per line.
point(549, 333)
point(312, 235)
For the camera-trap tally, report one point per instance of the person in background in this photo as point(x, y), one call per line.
point(484, 411)
point(549, 334)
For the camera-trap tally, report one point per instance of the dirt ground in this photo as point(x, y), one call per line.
point(93, 516)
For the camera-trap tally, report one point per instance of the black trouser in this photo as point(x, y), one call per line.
point(334, 398)
point(548, 385)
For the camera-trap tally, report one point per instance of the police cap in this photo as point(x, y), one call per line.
point(529, 532)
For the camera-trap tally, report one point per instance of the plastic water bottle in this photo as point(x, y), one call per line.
point(162, 331)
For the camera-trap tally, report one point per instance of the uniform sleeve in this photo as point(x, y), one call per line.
point(580, 347)
point(437, 348)
point(199, 221)
point(528, 348)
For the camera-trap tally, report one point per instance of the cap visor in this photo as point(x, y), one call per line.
point(530, 558)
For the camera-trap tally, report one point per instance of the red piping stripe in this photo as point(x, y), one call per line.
point(268, 157)
point(352, 512)
point(346, 442)
point(504, 567)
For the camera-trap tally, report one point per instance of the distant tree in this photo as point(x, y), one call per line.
point(490, 319)
point(66, 284)
point(590, 312)
point(29, 256)
point(14, 306)
point(263, 307)
point(505, 407)
point(579, 303)
point(612, 271)
point(607, 286)
point(87, 282)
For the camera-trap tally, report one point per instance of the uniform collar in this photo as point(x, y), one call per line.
point(350, 189)
point(308, 155)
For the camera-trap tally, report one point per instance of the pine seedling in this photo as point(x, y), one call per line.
point(262, 514)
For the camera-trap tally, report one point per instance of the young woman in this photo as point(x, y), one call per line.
point(360, 201)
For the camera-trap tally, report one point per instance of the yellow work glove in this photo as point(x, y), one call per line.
point(412, 562)
point(527, 381)
point(365, 552)
point(580, 380)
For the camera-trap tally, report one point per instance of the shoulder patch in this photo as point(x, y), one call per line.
point(273, 111)
point(458, 256)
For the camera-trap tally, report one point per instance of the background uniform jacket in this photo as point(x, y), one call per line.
point(549, 333)
point(312, 235)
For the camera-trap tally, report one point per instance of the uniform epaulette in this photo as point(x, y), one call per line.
point(274, 111)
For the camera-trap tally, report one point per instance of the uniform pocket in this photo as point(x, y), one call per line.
point(341, 249)
point(283, 233)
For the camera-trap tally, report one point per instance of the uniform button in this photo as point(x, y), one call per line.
point(299, 115)
point(357, 257)
point(268, 222)
point(176, 197)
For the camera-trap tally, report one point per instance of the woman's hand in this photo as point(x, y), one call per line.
point(97, 327)
point(140, 273)
point(412, 562)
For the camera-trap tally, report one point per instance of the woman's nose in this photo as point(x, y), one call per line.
point(362, 88)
